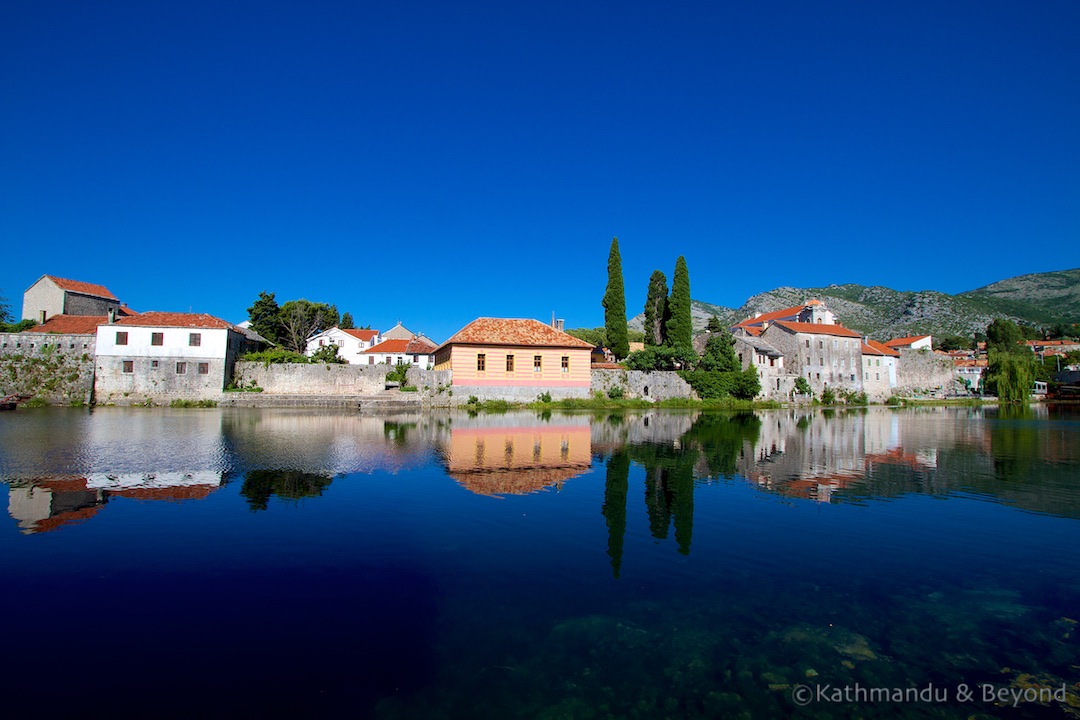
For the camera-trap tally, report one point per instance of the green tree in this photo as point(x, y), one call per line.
point(713, 325)
point(719, 354)
point(615, 305)
point(597, 337)
point(328, 354)
point(1004, 336)
point(1010, 376)
point(680, 330)
point(5, 310)
point(302, 318)
point(265, 317)
point(347, 322)
point(656, 309)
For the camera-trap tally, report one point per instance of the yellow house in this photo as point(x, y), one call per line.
point(516, 358)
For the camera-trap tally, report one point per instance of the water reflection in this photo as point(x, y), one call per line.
point(517, 453)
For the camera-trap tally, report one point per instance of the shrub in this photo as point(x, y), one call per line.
point(275, 356)
point(179, 403)
point(894, 401)
point(828, 396)
point(327, 354)
point(544, 397)
point(615, 393)
point(802, 386)
point(662, 358)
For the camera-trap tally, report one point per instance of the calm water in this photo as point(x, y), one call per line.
point(246, 563)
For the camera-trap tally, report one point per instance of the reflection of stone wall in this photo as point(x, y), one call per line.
point(653, 426)
point(659, 385)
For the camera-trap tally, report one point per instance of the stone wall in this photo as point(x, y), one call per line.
point(303, 379)
point(922, 373)
point(517, 394)
point(636, 384)
point(56, 368)
point(158, 380)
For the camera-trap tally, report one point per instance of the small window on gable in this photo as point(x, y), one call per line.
point(121, 338)
point(157, 338)
point(194, 339)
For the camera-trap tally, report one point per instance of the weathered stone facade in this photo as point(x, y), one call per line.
point(636, 384)
point(157, 381)
point(824, 359)
point(302, 379)
point(58, 369)
point(922, 373)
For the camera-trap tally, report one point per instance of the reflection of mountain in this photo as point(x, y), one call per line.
point(521, 458)
point(45, 504)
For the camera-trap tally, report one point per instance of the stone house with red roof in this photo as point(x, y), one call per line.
point(516, 360)
point(160, 356)
point(813, 311)
point(826, 354)
point(879, 366)
point(50, 296)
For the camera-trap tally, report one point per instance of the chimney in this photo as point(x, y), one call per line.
point(112, 315)
point(42, 318)
point(560, 324)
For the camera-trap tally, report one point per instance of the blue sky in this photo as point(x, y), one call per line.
point(434, 162)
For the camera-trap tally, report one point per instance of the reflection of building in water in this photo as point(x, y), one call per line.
point(636, 427)
point(41, 505)
point(518, 459)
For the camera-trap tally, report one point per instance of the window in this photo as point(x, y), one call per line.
point(509, 363)
point(157, 338)
point(129, 366)
point(566, 363)
point(853, 377)
point(194, 339)
point(181, 368)
point(877, 376)
point(821, 344)
point(481, 362)
point(808, 342)
point(121, 338)
point(389, 360)
point(537, 363)
point(371, 360)
point(204, 368)
point(153, 363)
point(416, 359)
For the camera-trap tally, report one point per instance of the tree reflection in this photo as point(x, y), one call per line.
point(721, 439)
point(615, 493)
point(260, 485)
point(1015, 442)
point(669, 489)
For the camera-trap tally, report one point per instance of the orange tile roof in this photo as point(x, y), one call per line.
point(70, 325)
point(415, 346)
point(882, 348)
point(171, 319)
point(365, 335)
point(771, 316)
point(514, 332)
point(83, 288)
point(969, 362)
point(818, 329)
point(904, 341)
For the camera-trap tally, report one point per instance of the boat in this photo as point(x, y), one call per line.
point(9, 403)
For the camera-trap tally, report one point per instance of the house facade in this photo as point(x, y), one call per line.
point(398, 332)
point(51, 296)
point(914, 342)
point(827, 355)
point(351, 343)
point(418, 351)
point(515, 359)
point(878, 369)
point(164, 355)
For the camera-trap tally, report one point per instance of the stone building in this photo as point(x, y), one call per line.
point(812, 311)
point(163, 356)
point(51, 296)
point(827, 355)
point(879, 369)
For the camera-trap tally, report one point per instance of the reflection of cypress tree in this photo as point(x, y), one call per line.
point(1014, 442)
point(682, 483)
point(721, 439)
point(260, 485)
point(615, 492)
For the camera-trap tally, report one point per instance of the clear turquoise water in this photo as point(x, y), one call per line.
point(644, 565)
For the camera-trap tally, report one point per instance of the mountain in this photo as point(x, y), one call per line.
point(1040, 299)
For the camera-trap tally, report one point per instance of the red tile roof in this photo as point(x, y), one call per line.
point(970, 362)
point(904, 341)
point(365, 335)
point(84, 288)
point(70, 325)
point(773, 316)
point(415, 346)
point(514, 332)
point(171, 319)
point(817, 329)
point(880, 349)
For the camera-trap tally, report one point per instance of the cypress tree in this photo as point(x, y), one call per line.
point(656, 309)
point(615, 305)
point(680, 329)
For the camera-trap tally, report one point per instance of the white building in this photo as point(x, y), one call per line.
point(418, 351)
point(351, 343)
point(166, 355)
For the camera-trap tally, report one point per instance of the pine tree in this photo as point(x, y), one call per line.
point(347, 322)
point(680, 329)
point(265, 317)
point(656, 309)
point(615, 305)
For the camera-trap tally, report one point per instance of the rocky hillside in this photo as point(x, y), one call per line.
point(1041, 299)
